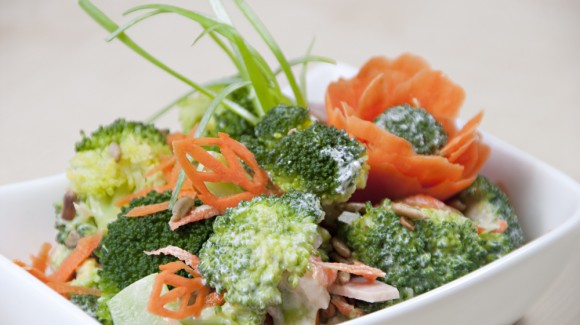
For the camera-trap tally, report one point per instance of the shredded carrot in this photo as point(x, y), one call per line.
point(182, 289)
point(57, 280)
point(67, 289)
point(180, 253)
point(40, 262)
point(164, 165)
point(368, 272)
point(424, 201)
point(230, 172)
point(126, 199)
point(145, 210)
point(82, 251)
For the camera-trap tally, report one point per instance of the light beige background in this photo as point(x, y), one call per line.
point(517, 60)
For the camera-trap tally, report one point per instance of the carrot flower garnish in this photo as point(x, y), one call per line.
point(397, 170)
point(182, 290)
point(230, 171)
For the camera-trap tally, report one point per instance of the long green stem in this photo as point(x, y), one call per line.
point(269, 40)
point(110, 26)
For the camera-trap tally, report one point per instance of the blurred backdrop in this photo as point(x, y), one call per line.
point(517, 60)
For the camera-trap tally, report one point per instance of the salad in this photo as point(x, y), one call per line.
point(260, 210)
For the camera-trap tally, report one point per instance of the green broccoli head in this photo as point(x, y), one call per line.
point(121, 253)
point(258, 244)
point(414, 125)
point(321, 160)
point(112, 162)
point(441, 248)
point(279, 121)
point(119, 131)
point(192, 109)
point(228, 314)
point(88, 303)
point(486, 203)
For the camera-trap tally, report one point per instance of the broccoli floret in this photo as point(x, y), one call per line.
point(276, 124)
point(88, 303)
point(228, 314)
point(486, 204)
point(279, 121)
point(70, 231)
point(223, 120)
point(441, 248)
point(112, 162)
point(118, 132)
point(319, 159)
point(415, 125)
point(259, 244)
point(121, 251)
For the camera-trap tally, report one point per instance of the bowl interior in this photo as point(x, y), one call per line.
point(546, 201)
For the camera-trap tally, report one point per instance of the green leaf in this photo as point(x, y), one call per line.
point(269, 40)
point(110, 26)
point(304, 71)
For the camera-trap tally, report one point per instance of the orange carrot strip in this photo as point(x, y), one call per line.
point(145, 210)
point(424, 201)
point(67, 289)
point(161, 166)
point(126, 199)
point(185, 256)
point(368, 272)
point(84, 249)
point(40, 262)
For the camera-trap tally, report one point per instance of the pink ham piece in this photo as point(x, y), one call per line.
point(362, 289)
point(185, 256)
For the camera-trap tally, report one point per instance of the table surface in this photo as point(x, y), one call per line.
point(517, 60)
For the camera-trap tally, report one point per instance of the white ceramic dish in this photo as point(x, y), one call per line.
point(547, 202)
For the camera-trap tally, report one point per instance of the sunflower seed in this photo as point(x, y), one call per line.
point(182, 207)
point(340, 247)
point(406, 223)
point(408, 211)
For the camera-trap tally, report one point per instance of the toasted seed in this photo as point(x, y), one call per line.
point(406, 223)
point(72, 239)
point(329, 312)
point(355, 207)
point(68, 208)
point(408, 211)
point(115, 151)
point(337, 258)
point(182, 207)
point(457, 204)
point(343, 277)
point(340, 247)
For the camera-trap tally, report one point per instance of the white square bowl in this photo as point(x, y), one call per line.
point(546, 201)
